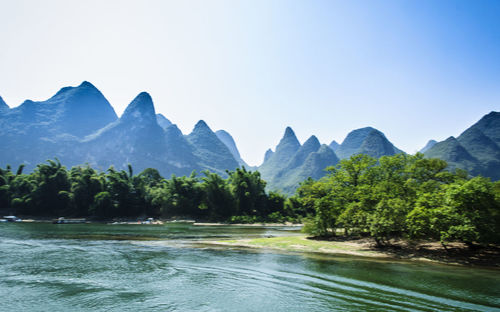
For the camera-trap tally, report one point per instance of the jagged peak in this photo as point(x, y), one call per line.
point(3, 105)
point(289, 136)
point(141, 107)
point(86, 84)
point(312, 141)
point(428, 146)
point(289, 132)
point(201, 125)
point(334, 145)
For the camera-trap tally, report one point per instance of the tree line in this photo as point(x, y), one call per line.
point(52, 190)
point(402, 196)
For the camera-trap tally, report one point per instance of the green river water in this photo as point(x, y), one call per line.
point(97, 267)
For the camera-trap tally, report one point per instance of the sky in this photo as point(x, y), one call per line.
point(415, 70)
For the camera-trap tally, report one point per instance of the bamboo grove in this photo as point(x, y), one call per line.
point(52, 190)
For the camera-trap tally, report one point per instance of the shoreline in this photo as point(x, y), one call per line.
point(428, 252)
point(166, 221)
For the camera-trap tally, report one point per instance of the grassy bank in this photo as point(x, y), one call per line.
point(402, 250)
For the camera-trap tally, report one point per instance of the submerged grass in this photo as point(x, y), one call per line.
point(424, 251)
point(302, 244)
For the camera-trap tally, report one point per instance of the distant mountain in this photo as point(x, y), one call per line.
point(313, 166)
point(310, 146)
point(78, 125)
point(135, 138)
point(476, 150)
point(268, 154)
point(228, 140)
point(428, 146)
point(36, 131)
point(368, 141)
point(3, 105)
point(334, 145)
point(490, 126)
point(292, 163)
point(285, 150)
point(162, 121)
point(210, 150)
point(77, 111)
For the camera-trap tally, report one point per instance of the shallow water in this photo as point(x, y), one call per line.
point(92, 267)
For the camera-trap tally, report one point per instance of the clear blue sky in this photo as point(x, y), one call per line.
point(416, 70)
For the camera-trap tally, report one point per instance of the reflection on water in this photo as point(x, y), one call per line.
point(47, 267)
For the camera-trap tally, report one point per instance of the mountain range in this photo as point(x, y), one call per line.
point(78, 125)
point(292, 163)
point(476, 150)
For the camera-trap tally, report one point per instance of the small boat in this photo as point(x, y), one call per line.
point(12, 219)
point(63, 220)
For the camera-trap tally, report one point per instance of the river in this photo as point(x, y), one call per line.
point(98, 267)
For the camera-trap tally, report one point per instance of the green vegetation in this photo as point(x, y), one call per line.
point(302, 244)
point(52, 190)
point(402, 196)
point(476, 150)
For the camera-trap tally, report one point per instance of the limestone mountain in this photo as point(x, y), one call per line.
point(180, 153)
point(313, 166)
point(78, 125)
point(210, 150)
point(454, 153)
point(311, 145)
point(367, 141)
point(135, 138)
point(334, 145)
point(163, 121)
point(268, 154)
point(490, 126)
point(428, 146)
point(285, 150)
point(292, 163)
point(476, 150)
point(3, 105)
point(228, 140)
point(36, 131)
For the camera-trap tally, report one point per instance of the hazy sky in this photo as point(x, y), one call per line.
point(416, 70)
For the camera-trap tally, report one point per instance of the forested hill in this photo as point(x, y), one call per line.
point(476, 150)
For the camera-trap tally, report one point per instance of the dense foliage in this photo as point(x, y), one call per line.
point(52, 190)
point(402, 196)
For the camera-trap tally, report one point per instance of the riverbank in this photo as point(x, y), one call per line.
point(287, 224)
point(456, 254)
point(167, 221)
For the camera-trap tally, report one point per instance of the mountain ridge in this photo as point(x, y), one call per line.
point(78, 125)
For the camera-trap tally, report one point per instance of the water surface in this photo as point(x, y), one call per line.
point(93, 267)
